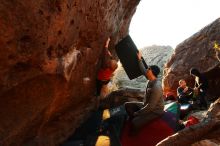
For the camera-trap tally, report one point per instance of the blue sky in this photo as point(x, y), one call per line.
point(169, 22)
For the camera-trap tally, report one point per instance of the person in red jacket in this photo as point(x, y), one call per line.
point(105, 73)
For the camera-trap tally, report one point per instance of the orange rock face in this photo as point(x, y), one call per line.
point(50, 51)
point(199, 51)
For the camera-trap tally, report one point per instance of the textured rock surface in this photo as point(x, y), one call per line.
point(153, 55)
point(197, 51)
point(50, 51)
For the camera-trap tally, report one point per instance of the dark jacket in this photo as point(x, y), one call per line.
point(180, 92)
point(202, 83)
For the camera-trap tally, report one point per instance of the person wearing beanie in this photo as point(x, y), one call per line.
point(152, 106)
point(200, 88)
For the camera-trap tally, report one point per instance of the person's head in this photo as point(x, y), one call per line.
point(152, 72)
point(182, 83)
point(113, 64)
point(194, 72)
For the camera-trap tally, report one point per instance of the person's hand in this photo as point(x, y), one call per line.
point(195, 89)
point(139, 55)
point(185, 89)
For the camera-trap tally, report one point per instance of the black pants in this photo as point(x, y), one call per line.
point(184, 99)
point(99, 85)
point(201, 98)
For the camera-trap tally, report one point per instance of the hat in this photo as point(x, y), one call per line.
point(155, 69)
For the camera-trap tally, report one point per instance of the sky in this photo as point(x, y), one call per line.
point(169, 22)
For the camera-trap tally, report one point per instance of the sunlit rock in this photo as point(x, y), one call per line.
point(199, 51)
point(50, 52)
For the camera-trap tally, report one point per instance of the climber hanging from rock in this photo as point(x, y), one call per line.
point(108, 66)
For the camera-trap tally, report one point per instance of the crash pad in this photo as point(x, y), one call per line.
point(127, 53)
point(150, 135)
point(152, 132)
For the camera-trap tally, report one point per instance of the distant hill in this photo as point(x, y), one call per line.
point(153, 55)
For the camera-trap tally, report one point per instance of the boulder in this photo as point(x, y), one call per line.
point(50, 52)
point(200, 51)
point(153, 55)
